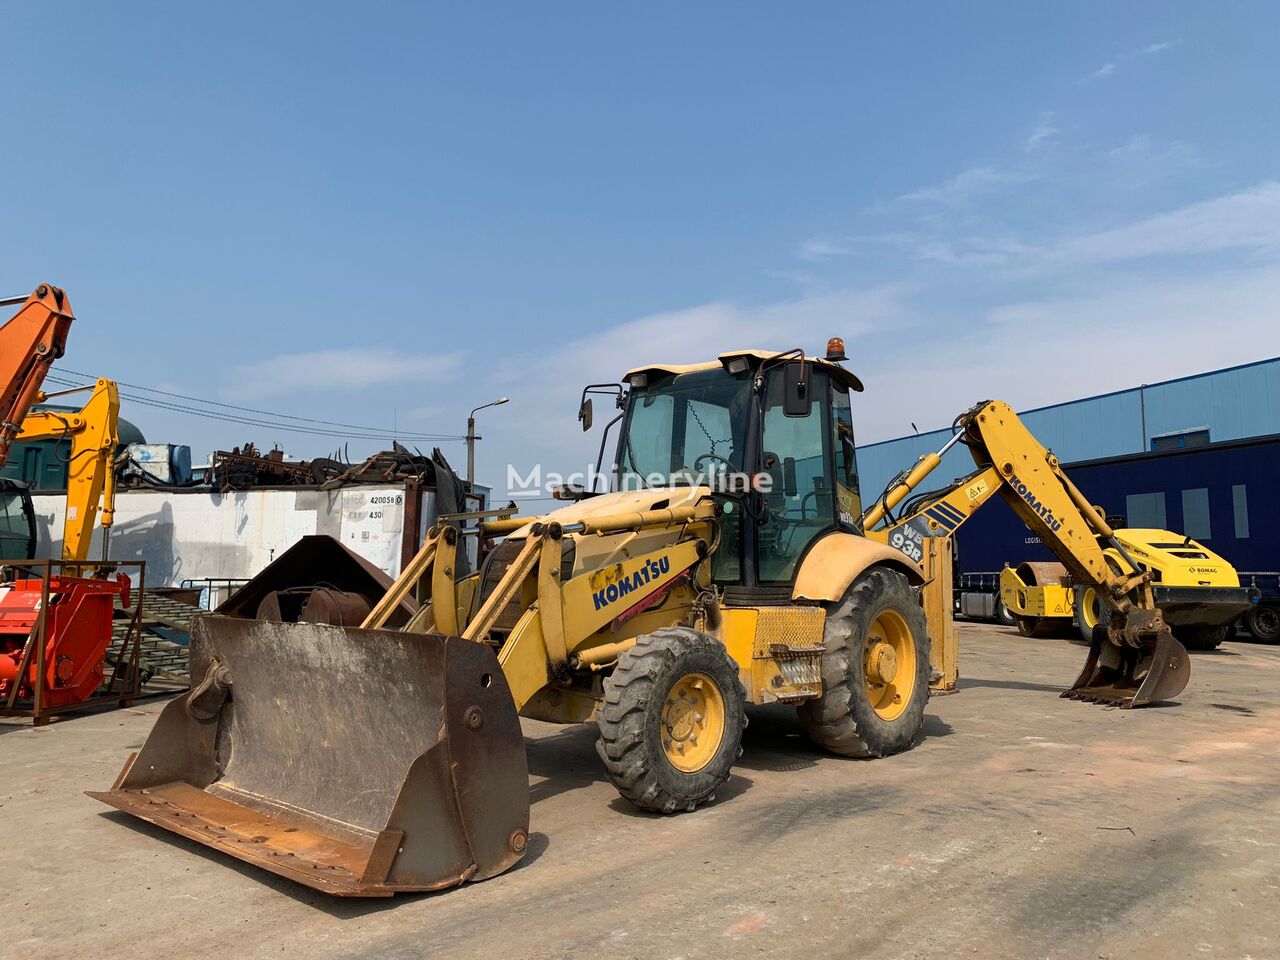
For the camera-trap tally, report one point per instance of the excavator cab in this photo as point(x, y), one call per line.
point(17, 522)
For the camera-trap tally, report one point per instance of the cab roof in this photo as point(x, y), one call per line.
point(837, 372)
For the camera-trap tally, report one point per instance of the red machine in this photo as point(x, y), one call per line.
point(77, 633)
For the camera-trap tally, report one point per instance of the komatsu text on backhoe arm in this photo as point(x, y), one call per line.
point(1135, 659)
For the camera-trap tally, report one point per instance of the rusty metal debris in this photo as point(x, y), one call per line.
point(245, 467)
point(317, 580)
point(390, 466)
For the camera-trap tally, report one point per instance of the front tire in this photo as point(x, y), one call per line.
point(672, 720)
point(875, 670)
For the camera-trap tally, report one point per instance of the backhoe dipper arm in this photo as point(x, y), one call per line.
point(1030, 479)
point(29, 343)
point(93, 436)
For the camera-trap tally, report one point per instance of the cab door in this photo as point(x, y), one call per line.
point(796, 454)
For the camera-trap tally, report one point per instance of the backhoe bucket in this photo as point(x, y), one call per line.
point(1151, 666)
point(357, 762)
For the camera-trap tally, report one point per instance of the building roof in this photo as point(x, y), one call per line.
point(1103, 396)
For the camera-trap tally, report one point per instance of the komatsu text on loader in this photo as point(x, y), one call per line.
point(734, 562)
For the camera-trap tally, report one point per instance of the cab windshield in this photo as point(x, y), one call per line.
point(683, 429)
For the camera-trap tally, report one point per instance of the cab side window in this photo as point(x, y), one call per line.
point(848, 494)
point(796, 454)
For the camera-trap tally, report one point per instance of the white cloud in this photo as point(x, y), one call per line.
point(1037, 352)
point(975, 251)
point(539, 425)
point(1042, 133)
point(966, 186)
point(350, 368)
point(1249, 219)
point(1141, 148)
point(1107, 69)
point(820, 248)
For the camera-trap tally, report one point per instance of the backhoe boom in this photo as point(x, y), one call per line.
point(1139, 661)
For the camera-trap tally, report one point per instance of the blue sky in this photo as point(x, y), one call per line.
point(390, 213)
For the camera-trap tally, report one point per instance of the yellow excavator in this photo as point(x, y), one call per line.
point(733, 562)
point(91, 437)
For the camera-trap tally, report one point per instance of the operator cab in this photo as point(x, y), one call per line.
point(17, 522)
point(770, 434)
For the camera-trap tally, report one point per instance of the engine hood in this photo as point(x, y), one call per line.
point(1176, 559)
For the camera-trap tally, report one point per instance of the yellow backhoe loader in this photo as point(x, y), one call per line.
point(732, 563)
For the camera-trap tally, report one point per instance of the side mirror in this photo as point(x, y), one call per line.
point(584, 414)
point(789, 486)
point(797, 393)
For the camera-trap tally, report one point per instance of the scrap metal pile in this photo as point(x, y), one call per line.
point(244, 467)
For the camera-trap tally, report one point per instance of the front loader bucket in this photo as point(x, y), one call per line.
point(1132, 676)
point(357, 762)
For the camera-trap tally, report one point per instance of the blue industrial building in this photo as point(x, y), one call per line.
point(1230, 404)
point(1199, 455)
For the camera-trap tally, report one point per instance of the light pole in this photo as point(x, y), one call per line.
point(472, 438)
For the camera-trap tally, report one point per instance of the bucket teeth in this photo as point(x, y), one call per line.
point(1124, 676)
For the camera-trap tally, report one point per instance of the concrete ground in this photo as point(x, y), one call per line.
point(1023, 825)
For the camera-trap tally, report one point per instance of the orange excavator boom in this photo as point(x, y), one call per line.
point(30, 342)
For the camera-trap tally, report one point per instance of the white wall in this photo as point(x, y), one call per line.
point(192, 535)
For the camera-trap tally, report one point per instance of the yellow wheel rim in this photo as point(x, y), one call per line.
point(692, 722)
point(889, 665)
point(1089, 608)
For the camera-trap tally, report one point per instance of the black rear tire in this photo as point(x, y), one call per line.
point(1002, 614)
point(633, 720)
point(1263, 621)
point(843, 719)
point(1201, 638)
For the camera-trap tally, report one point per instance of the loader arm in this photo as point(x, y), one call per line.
point(1139, 661)
point(29, 343)
point(93, 432)
point(419, 781)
